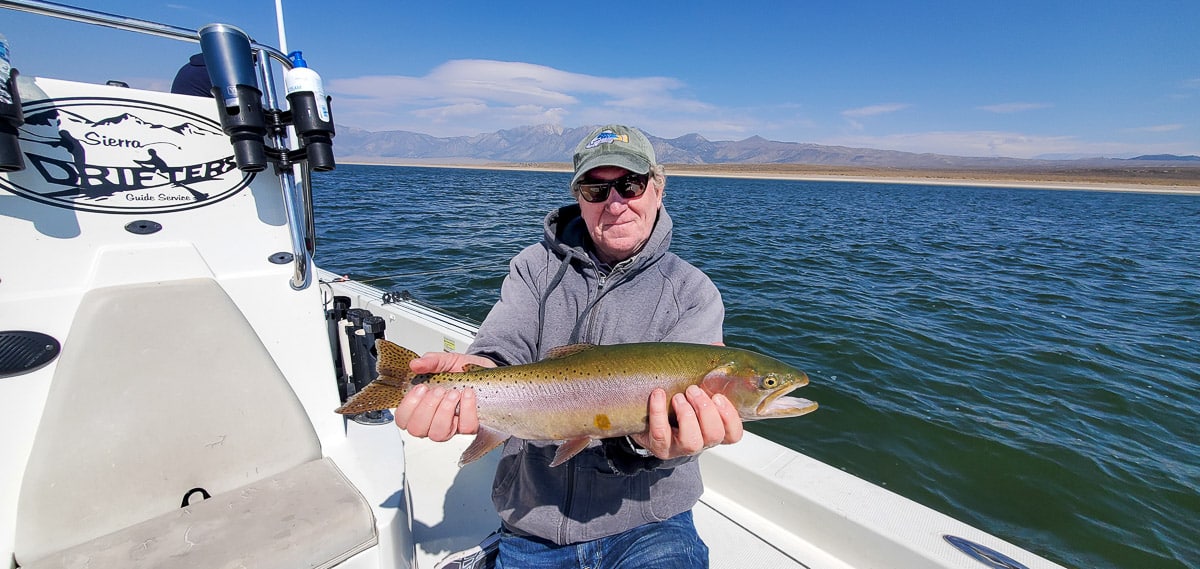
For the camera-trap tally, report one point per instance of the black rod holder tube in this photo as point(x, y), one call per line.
point(364, 366)
point(11, 117)
point(365, 372)
point(231, 68)
point(361, 363)
point(333, 322)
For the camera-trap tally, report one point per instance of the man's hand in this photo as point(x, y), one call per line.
point(436, 412)
point(703, 422)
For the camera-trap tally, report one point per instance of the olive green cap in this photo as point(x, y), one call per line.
point(614, 145)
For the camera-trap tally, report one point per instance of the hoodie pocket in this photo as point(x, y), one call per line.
point(672, 491)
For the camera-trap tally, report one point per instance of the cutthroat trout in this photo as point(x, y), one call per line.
point(584, 392)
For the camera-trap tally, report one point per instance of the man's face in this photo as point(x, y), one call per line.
point(619, 226)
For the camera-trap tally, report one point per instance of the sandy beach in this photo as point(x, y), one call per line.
point(1145, 179)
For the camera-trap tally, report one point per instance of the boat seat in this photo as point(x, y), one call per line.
point(309, 516)
point(163, 395)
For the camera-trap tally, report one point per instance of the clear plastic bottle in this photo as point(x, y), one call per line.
point(5, 71)
point(29, 90)
point(301, 78)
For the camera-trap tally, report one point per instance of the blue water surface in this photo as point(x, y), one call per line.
point(1024, 360)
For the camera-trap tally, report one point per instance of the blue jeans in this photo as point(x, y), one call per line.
point(669, 544)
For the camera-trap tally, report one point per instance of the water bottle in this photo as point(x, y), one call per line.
point(300, 78)
point(310, 113)
point(5, 71)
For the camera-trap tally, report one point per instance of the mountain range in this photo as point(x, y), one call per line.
point(553, 143)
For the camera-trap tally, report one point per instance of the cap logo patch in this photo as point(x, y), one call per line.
point(607, 137)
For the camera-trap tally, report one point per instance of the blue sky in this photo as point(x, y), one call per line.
point(980, 78)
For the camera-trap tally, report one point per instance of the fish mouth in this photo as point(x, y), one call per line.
point(777, 405)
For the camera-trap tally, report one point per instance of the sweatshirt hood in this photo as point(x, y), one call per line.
point(566, 234)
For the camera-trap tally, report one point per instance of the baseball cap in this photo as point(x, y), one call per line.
point(614, 145)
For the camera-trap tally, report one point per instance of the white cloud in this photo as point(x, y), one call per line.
point(1006, 144)
point(852, 116)
point(1157, 128)
point(874, 110)
point(1006, 108)
point(473, 96)
point(501, 94)
point(1187, 89)
point(456, 110)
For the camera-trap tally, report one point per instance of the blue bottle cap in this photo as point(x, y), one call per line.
point(297, 59)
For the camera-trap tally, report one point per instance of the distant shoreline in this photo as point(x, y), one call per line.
point(1160, 180)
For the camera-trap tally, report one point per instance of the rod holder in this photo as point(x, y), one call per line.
point(11, 117)
point(230, 63)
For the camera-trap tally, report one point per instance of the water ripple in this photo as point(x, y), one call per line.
point(1024, 360)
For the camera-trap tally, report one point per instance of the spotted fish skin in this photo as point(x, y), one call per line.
point(584, 392)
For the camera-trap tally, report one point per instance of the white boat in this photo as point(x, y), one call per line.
point(168, 374)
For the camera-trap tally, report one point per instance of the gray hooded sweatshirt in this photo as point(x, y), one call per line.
point(556, 294)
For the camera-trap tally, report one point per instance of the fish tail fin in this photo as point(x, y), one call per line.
point(395, 379)
point(393, 360)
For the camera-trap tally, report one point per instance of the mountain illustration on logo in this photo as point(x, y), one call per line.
point(126, 119)
point(122, 119)
point(191, 128)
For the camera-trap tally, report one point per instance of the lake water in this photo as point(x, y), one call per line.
point(1027, 361)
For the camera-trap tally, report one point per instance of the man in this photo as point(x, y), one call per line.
point(192, 78)
point(602, 274)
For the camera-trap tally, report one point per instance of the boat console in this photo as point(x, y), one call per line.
point(167, 382)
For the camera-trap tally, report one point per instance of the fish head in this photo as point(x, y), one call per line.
point(758, 385)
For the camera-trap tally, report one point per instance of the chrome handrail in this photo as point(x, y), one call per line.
point(83, 15)
point(298, 209)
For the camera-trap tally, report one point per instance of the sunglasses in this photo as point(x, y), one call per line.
point(628, 186)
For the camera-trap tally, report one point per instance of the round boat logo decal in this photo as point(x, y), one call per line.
point(110, 155)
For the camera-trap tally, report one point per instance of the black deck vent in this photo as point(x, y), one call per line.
point(143, 227)
point(22, 351)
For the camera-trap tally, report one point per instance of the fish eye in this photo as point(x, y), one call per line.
point(770, 381)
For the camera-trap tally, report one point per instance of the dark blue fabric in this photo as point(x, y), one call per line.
point(192, 78)
point(669, 544)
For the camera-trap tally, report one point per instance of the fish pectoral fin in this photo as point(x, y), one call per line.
point(568, 449)
point(486, 440)
point(568, 350)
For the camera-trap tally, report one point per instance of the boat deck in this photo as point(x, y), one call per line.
point(452, 511)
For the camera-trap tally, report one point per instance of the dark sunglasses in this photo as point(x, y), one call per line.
point(628, 186)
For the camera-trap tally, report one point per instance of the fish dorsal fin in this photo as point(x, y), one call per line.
point(568, 350)
point(473, 367)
